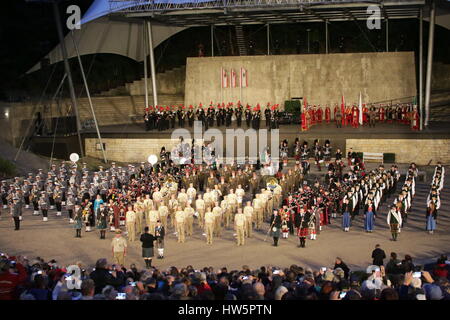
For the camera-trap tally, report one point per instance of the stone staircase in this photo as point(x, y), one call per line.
point(240, 40)
point(170, 82)
point(440, 106)
point(121, 109)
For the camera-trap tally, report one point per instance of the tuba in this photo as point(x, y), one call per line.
point(271, 183)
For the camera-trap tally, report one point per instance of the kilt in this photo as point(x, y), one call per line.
point(147, 252)
point(302, 232)
point(276, 233)
point(394, 227)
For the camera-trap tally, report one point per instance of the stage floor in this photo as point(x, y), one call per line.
point(55, 239)
point(323, 131)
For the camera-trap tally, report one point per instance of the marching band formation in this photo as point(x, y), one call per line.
point(163, 118)
point(222, 197)
point(166, 117)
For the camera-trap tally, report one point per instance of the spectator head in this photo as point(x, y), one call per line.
point(352, 295)
point(109, 292)
point(377, 245)
point(433, 292)
point(180, 290)
point(280, 292)
point(393, 256)
point(259, 289)
point(101, 264)
point(88, 288)
point(146, 229)
point(389, 294)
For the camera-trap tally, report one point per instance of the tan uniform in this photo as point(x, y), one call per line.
point(148, 205)
point(153, 217)
point(207, 197)
point(165, 195)
point(264, 199)
point(248, 213)
point(189, 212)
point(258, 212)
point(277, 192)
point(130, 219)
point(209, 226)
point(233, 202)
point(118, 245)
point(173, 204)
point(269, 205)
point(140, 217)
point(157, 198)
point(180, 218)
point(182, 199)
point(226, 210)
point(200, 207)
point(239, 224)
point(192, 194)
point(173, 189)
point(216, 193)
point(163, 211)
point(217, 211)
point(240, 193)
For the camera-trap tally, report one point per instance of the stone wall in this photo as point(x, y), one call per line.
point(128, 150)
point(320, 78)
point(406, 150)
point(109, 111)
point(440, 79)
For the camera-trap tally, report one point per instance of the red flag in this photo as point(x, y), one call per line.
point(224, 78)
point(244, 78)
point(343, 106)
point(233, 78)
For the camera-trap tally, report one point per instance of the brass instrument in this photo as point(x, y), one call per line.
point(272, 183)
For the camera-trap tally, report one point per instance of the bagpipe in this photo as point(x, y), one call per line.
point(86, 213)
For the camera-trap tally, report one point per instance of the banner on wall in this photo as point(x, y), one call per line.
point(233, 78)
point(224, 78)
point(244, 78)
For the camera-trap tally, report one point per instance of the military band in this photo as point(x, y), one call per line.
point(215, 198)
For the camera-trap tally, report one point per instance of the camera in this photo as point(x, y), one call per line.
point(417, 274)
point(121, 296)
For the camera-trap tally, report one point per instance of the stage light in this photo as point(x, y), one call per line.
point(152, 159)
point(6, 114)
point(74, 157)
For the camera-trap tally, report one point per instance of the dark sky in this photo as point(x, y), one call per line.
point(27, 33)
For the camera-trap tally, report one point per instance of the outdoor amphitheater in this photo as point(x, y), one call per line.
point(321, 102)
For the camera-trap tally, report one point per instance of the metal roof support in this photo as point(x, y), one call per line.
point(152, 62)
point(144, 45)
point(421, 68)
point(387, 34)
point(430, 62)
point(69, 74)
point(212, 40)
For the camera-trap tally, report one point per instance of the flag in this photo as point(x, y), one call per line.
point(360, 109)
point(233, 78)
point(343, 107)
point(244, 79)
point(224, 78)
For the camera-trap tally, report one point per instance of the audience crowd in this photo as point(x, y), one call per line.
point(37, 279)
